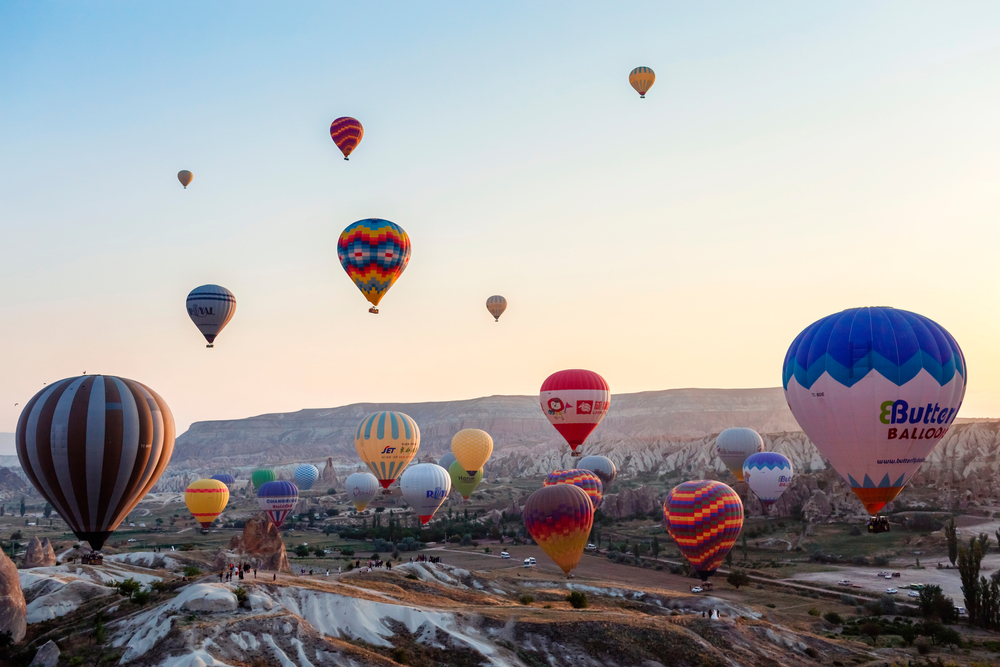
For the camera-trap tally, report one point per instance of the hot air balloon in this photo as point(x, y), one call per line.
point(584, 479)
point(362, 487)
point(704, 518)
point(425, 487)
point(875, 389)
point(387, 442)
point(346, 132)
point(205, 499)
point(446, 460)
point(641, 78)
point(305, 476)
point(768, 474)
point(496, 304)
point(185, 177)
point(462, 481)
point(472, 448)
point(374, 253)
point(211, 307)
point(734, 445)
point(575, 402)
point(93, 446)
point(559, 518)
point(601, 466)
point(262, 476)
point(278, 499)
point(225, 478)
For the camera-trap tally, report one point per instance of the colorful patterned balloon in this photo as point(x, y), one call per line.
point(584, 479)
point(386, 443)
point(704, 518)
point(875, 389)
point(225, 478)
point(262, 476)
point(205, 499)
point(575, 401)
point(559, 518)
point(374, 253)
point(305, 476)
point(462, 481)
point(278, 499)
point(496, 304)
point(734, 445)
point(641, 78)
point(601, 466)
point(768, 474)
point(346, 132)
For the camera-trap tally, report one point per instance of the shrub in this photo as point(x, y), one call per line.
point(881, 561)
point(813, 611)
point(347, 551)
point(384, 545)
point(454, 539)
point(142, 598)
point(159, 586)
point(128, 587)
point(410, 544)
point(526, 599)
point(401, 656)
point(738, 578)
point(923, 646)
point(241, 594)
point(413, 576)
point(191, 571)
point(487, 550)
point(187, 547)
point(577, 599)
point(833, 617)
point(812, 653)
point(859, 560)
point(466, 540)
point(319, 552)
point(855, 531)
point(849, 600)
point(302, 551)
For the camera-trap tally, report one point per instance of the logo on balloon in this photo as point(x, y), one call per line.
point(584, 407)
point(900, 412)
point(388, 450)
point(438, 492)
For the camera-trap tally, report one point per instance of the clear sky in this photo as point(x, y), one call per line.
point(793, 159)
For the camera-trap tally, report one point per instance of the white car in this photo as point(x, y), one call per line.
point(504, 554)
point(532, 561)
point(591, 547)
point(696, 589)
point(891, 591)
point(960, 610)
point(844, 582)
point(131, 539)
point(527, 562)
point(913, 594)
point(142, 525)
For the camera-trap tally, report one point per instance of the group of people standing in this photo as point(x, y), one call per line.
point(239, 570)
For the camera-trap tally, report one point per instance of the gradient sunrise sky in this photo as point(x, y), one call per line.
point(793, 159)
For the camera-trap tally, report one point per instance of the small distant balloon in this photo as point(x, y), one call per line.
point(601, 466)
point(361, 487)
point(225, 478)
point(734, 445)
point(262, 476)
point(211, 307)
point(185, 177)
point(278, 499)
point(305, 476)
point(496, 304)
point(641, 78)
point(769, 474)
point(346, 132)
point(582, 479)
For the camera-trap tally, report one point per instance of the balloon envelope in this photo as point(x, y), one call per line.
point(262, 476)
point(462, 481)
point(472, 448)
point(185, 177)
point(768, 474)
point(446, 460)
point(425, 486)
point(601, 466)
point(93, 446)
point(583, 479)
point(205, 499)
point(225, 478)
point(374, 253)
point(559, 518)
point(305, 476)
point(346, 132)
point(575, 401)
point(387, 442)
point(278, 499)
point(496, 304)
point(875, 389)
point(211, 307)
point(641, 78)
point(704, 518)
point(362, 487)
point(734, 445)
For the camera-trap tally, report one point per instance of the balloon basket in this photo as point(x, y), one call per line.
point(642, 97)
point(346, 159)
point(373, 310)
point(386, 492)
point(576, 454)
point(878, 524)
point(209, 346)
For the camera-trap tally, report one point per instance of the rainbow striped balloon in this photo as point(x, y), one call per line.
point(704, 518)
point(584, 479)
point(559, 518)
point(346, 132)
point(374, 253)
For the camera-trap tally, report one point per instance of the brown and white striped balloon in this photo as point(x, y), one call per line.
point(93, 446)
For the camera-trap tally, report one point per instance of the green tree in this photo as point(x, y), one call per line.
point(934, 603)
point(100, 634)
point(655, 548)
point(729, 559)
point(969, 560)
point(951, 535)
point(47, 511)
point(738, 578)
point(23, 506)
point(577, 599)
point(319, 552)
point(129, 587)
point(984, 542)
point(302, 551)
point(873, 629)
point(745, 556)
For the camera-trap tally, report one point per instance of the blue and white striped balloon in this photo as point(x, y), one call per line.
point(211, 307)
point(768, 474)
point(305, 476)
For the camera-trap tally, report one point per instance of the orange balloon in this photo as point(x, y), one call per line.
point(185, 177)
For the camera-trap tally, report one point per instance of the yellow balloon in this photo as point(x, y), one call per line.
point(641, 78)
point(387, 442)
point(472, 448)
point(205, 499)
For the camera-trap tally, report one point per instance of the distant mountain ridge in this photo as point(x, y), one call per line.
point(513, 421)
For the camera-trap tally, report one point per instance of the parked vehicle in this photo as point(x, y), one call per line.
point(591, 547)
point(844, 582)
point(913, 594)
point(504, 554)
point(891, 591)
point(696, 589)
point(532, 561)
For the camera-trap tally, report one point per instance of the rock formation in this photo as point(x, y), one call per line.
point(328, 477)
point(629, 502)
point(39, 554)
point(13, 609)
point(12, 487)
point(47, 656)
point(261, 543)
